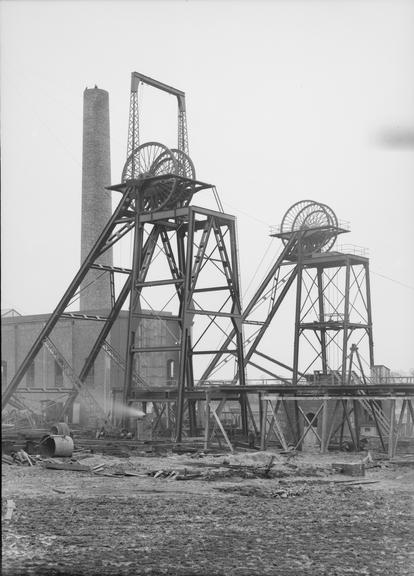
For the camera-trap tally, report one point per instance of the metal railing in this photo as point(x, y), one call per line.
point(352, 249)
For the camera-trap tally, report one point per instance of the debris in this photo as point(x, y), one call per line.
point(187, 476)
point(81, 453)
point(402, 461)
point(59, 491)
point(80, 456)
point(9, 510)
point(72, 466)
point(349, 468)
point(176, 474)
point(261, 492)
point(368, 460)
point(26, 457)
point(269, 465)
point(22, 457)
point(6, 459)
point(356, 483)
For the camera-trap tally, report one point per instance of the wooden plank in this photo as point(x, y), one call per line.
point(324, 427)
point(226, 438)
point(391, 447)
point(356, 424)
point(264, 422)
point(68, 466)
point(276, 426)
point(219, 410)
point(207, 421)
point(398, 430)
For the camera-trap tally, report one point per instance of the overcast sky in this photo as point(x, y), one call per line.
point(286, 100)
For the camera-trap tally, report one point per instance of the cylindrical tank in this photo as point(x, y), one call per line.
point(96, 201)
point(56, 445)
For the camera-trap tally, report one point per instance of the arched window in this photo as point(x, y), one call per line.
point(310, 416)
point(58, 375)
point(170, 371)
point(30, 376)
point(3, 374)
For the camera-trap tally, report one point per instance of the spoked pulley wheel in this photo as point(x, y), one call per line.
point(184, 191)
point(316, 221)
point(185, 164)
point(149, 160)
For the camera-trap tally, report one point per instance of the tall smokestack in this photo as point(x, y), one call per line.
point(96, 201)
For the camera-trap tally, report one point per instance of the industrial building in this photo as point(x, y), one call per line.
point(46, 382)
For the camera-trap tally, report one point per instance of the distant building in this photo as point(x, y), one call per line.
point(46, 383)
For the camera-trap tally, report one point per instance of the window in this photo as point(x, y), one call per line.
point(58, 375)
point(30, 376)
point(170, 371)
point(3, 374)
point(3, 371)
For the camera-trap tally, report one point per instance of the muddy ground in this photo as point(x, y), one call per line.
point(303, 519)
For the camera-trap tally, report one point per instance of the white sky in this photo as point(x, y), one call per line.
point(286, 100)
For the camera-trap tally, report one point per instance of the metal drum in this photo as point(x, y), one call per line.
point(57, 445)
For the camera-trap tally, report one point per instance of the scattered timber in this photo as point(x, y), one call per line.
point(72, 466)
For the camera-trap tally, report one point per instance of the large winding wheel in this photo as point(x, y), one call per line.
point(316, 221)
point(147, 161)
point(159, 166)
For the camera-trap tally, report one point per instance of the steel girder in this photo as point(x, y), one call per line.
point(187, 256)
point(333, 313)
point(333, 304)
point(199, 250)
point(117, 227)
point(134, 121)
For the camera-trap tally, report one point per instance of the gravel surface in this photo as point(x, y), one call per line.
point(78, 523)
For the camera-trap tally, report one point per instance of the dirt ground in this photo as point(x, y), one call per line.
point(302, 520)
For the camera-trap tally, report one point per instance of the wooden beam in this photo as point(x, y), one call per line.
point(277, 428)
point(207, 422)
point(324, 446)
point(264, 422)
point(392, 430)
point(217, 417)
